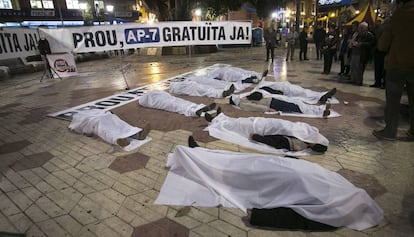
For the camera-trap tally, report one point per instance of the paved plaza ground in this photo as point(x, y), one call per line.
point(55, 182)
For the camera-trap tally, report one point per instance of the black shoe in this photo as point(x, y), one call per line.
point(218, 111)
point(208, 117)
point(122, 142)
point(306, 59)
point(205, 109)
point(231, 101)
point(375, 85)
point(382, 136)
point(229, 91)
point(327, 111)
point(328, 95)
point(191, 142)
point(144, 133)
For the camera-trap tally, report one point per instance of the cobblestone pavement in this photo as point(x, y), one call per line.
point(54, 182)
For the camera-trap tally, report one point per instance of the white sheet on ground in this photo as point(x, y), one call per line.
point(238, 130)
point(219, 84)
point(158, 99)
point(204, 177)
point(109, 127)
point(205, 86)
point(308, 110)
point(233, 74)
point(195, 89)
point(291, 90)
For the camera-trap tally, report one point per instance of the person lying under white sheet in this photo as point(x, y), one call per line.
point(206, 85)
point(266, 102)
point(272, 135)
point(162, 100)
point(234, 74)
point(110, 128)
point(196, 89)
point(209, 178)
point(288, 89)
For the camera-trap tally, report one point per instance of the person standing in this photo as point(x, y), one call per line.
point(378, 59)
point(361, 52)
point(291, 38)
point(270, 39)
point(303, 42)
point(344, 56)
point(396, 41)
point(329, 49)
point(319, 39)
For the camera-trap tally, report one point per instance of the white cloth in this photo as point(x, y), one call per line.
point(308, 110)
point(195, 89)
point(238, 130)
point(218, 84)
point(233, 74)
point(162, 100)
point(204, 177)
point(291, 90)
point(109, 127)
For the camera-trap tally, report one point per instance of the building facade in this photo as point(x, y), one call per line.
point(70, 12)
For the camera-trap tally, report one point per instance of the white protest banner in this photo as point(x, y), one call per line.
point(138, 35)
point(63, 64)
point(18, 42)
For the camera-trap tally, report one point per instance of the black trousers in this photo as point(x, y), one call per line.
point(284, 106)
point(271, 90)
point(285, 218)
point(379, 68)
point(344, 68)
point(303, 51)
point(327, 60)
point(276, 141)
point(270, 51)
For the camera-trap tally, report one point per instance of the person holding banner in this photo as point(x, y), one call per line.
point(44, 49)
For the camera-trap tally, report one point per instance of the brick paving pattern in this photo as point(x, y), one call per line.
point(55, 182)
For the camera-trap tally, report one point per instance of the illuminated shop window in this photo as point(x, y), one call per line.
point(6, 4)
point(42, 4)
point(72, 4)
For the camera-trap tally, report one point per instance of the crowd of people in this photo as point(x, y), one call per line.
point(386, 44)
point(353, 46)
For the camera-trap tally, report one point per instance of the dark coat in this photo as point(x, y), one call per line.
point(366, 42)
point(303, 39)
point(270, 38)
point(397, 38)
point(319, 35)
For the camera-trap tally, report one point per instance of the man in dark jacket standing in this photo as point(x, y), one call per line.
point(319, 39)
point(270, 39)
point(361, 53)
point(329, 49)
point(396, 40)
point(303, 42)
